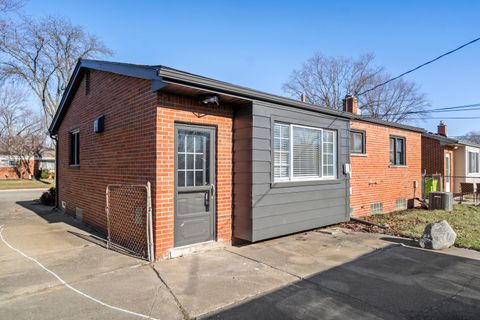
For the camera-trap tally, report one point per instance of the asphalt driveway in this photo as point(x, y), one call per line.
point(333, 274)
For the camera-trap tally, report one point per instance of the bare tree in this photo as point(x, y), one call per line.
point(10, 5)
point(43, 55)
point(326, 80)
point(473, 136)
point(22, 134)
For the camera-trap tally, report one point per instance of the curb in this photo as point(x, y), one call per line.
point(30, 189)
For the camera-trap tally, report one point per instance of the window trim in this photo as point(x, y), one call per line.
point(74, 155)
point(468, 161)
point(364, 141)
point(291, 180)
point(404, 157)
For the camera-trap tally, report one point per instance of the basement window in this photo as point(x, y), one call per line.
point(376, 208)
point(401, 203)
point(75, 148)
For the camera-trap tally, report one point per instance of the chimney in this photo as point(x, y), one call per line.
point(442, 129)
point(303, 98)
point(350, 104)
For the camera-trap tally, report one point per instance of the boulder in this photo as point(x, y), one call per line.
point(437, 236)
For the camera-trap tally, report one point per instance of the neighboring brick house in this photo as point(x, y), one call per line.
point(438, 156)
point(225, 162)
point(11, 168)
point(386, 164)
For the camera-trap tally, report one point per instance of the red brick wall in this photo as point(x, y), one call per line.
point(137, 146)
point(123, 153)
point(373, 179)
point(173, 109)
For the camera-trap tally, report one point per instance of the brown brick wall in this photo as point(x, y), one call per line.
point(173, 109)
point(123, 153)
point(373, 179)
point(433, 158)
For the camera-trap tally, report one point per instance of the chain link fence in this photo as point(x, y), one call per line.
point(129, 220)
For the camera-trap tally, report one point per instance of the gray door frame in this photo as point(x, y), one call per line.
point(212, 130)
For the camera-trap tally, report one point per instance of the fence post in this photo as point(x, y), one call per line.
point(107, 213)
point(151, 252)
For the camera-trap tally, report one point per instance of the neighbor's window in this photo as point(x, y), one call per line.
point(397, 151)
point(473, 162)
point(304, 153)
point(75, 148)
point(357, 142)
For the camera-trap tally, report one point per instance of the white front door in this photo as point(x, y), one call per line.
point(448, 172)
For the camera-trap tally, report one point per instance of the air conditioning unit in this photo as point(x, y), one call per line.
point(441, 201)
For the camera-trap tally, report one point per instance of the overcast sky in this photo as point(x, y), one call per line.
point(258, 43)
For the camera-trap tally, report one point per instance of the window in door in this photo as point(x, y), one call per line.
point(193, 151)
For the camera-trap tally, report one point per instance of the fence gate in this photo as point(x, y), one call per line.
point(129, 219)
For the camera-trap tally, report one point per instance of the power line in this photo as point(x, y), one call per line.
point(469, 107)
point(420, 66)
point(451, 118)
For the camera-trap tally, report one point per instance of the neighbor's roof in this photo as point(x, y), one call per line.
point(162, 77)
point(468, 143)
point(440, 138)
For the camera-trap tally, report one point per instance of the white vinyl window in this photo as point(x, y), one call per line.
point(473, 162)
point(304, 153)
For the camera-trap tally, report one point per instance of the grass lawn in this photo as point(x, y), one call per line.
point(464, 219)
point(26, 184)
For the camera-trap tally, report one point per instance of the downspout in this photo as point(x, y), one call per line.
point(55, 138)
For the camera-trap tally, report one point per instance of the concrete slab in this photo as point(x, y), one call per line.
point(309, 253)
point(211, 280)
point(301, 300)
point(136, 289)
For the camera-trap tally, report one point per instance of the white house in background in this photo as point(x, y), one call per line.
point(467, 166)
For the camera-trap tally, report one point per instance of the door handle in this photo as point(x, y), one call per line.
point(206, 200)
point(212, 190)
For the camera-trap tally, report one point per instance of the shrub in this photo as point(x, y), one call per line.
point(45, 174)
point(48, 197)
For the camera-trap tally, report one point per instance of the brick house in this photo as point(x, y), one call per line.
point(224, 162)
point(386, 163)
point(11, 169)
point(438, 156)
